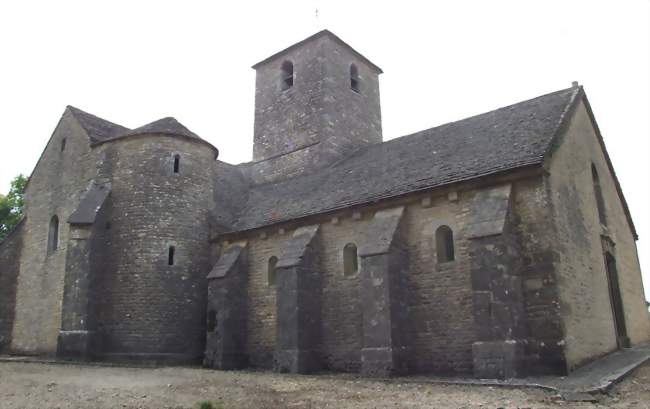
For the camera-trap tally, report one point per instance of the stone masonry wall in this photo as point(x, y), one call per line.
point(145, 307)
point(289, 119)
point(535, 234)
point(351, 119)
point(582, 282)
point(319, 119)
point(9, 269)
point(439, 294)
point(55, 188)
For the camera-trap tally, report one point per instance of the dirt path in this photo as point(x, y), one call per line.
point(29, 385)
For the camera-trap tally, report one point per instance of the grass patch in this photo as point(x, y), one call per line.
point(206, 404)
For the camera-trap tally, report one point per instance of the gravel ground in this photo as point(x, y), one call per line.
point(36, 385)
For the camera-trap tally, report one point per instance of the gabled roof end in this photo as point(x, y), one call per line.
point(313, 37)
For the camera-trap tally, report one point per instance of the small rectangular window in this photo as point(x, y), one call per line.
point(170, 257)
point(287, 75)
point(354, 78)
point(177, 163)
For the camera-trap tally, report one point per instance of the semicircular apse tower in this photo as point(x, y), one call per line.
point(147, 293)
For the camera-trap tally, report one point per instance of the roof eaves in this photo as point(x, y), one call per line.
point(532, 164)
point(140, 134)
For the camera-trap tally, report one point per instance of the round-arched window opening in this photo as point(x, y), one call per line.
point(271, 273)
point(445, 244)
point(53, 234)
point(350, 260)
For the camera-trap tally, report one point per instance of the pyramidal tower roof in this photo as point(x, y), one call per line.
point(320, 34)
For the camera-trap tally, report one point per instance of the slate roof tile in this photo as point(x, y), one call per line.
point(168, 125)
point(98, 129)
point(507, 138)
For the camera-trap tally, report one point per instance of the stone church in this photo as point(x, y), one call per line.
point(499, 245)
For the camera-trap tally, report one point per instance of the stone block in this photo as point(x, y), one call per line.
point(498, 359)
point(78, 345)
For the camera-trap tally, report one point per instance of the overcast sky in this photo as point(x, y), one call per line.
point(135, 61)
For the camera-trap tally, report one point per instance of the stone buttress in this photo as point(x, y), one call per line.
point(498, 302)
point(384, 263)
point(226, 315)
point(77, 334)
point(298, 305)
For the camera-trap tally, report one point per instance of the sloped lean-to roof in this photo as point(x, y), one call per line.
point(511, 137)
point(98, 129)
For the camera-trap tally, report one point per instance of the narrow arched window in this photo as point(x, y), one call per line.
point(444, 244)
point(286, 75)
point(62, 144)
point(177, 163)
point(600, 200)
point(271, 271)
point(53, 234)
point(354, 78)
point(350, 260)
point(170, 255)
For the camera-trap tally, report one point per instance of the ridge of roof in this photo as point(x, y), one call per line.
point(507, 138)
point(97, 128)
point(319, 34)
point(477, 116)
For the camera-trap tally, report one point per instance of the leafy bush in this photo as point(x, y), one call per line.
point(11, 206)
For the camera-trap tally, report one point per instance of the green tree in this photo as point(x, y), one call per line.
point(11, 206)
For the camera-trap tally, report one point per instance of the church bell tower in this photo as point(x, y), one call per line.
point(315, 103)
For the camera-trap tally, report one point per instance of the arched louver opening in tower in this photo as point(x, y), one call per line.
point(445, 244)
point(350, 260)
point(600, 200)
point(53, 234)
point(286, 75)
point(354, 78)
